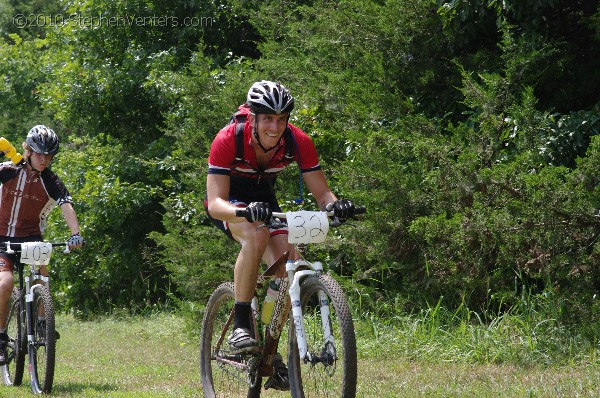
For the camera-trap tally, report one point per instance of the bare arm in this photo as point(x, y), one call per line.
point(70, 217)
point(217, 190)
point(317, 184)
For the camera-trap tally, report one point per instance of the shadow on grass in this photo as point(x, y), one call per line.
point(76, 388)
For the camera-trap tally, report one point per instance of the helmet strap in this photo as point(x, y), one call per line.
point(31, 165)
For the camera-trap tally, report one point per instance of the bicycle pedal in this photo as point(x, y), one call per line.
point(275, 384)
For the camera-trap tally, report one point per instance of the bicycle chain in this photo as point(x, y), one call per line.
point(252, 367)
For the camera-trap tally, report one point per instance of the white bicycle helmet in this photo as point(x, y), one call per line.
point(269, 97)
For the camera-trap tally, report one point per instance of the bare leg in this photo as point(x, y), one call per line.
point(254, 243)
point(6, 287)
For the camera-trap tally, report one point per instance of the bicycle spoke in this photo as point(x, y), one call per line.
point(42, 349)
point(224, 374)
point(12, 372)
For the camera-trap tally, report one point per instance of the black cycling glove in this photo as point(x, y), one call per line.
point(342, 208)
point(258, 211)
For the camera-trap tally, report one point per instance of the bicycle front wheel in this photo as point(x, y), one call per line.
point(224, 374)
point(42, 349)
point(330, 368)
point(12, 371)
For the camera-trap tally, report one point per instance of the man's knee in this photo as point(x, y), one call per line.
point(251, 235)
point(261, 239)
point(6, 280)
point(6, 263)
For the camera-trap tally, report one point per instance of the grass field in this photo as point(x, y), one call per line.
point(152, 357)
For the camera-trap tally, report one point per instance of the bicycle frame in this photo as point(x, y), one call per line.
point(29, 281)
point(30, 285)
point(34, 286)
point(310, 304)
point(289, 298)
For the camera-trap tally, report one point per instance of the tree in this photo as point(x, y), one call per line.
point(569, 26)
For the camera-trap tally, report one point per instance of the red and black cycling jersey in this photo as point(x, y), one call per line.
point(26, 199)
point(248, 181)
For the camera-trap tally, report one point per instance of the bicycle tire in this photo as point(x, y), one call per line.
point(336, 375)
point(12, 372)
point(42, 350)
point(221, 379)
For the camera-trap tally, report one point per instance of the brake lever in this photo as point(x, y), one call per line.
point(275, 224)
point(338, 223)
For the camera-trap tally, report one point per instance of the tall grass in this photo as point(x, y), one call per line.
point(530, 333)
point(435, 353)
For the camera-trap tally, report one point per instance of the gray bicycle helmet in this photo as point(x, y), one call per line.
point(269, 97)
point(41, 139)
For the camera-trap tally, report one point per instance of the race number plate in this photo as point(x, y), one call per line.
point(307, 226)
point(36, 253)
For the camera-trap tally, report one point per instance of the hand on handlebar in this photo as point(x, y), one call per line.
point(256, 211)
point(342, 208)
point(75, 241)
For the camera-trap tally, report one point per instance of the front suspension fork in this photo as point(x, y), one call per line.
point(30, 286)
point(294, 291)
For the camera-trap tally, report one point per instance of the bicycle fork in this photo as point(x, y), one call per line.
point(29, 297)
point(294, 291)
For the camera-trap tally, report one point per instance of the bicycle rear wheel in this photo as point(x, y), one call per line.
point(332, 370)
point(12, 372)
point(43, 348)
point(221, 371)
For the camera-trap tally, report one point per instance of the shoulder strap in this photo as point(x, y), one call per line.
point(289, 143)
point(240, 121)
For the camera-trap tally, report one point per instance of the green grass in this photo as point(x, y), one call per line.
point(136, 357)
point(155, 356)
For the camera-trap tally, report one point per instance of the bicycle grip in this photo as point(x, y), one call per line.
point(242, 212)
point(360, 210)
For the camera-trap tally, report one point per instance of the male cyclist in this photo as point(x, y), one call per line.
point(28, 193)
point(249, 183)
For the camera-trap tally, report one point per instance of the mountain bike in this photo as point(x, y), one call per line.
point(321, 341)
point(31, 327)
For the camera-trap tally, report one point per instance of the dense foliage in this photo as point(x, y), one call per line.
point(469, 129)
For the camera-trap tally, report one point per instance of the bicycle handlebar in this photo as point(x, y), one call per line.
point(54, 244)
point(357, 210)
point(275, 221)
point(16, 246)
